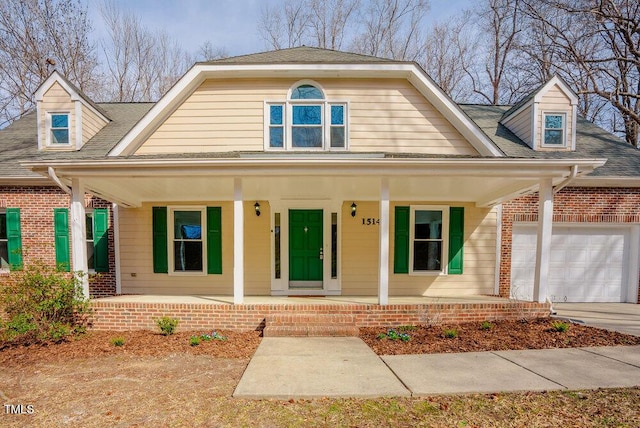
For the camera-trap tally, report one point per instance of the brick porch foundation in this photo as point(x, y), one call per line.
point(109, 315)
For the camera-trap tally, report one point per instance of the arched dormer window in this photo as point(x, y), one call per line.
point(306, 121)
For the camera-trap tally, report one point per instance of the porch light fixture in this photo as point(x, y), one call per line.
point(256, 206)
point(353, 209)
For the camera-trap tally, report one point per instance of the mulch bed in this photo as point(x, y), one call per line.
point(503, 335)
point(136, 343)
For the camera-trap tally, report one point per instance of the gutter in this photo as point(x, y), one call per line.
point(56, 179)
point(572, 176)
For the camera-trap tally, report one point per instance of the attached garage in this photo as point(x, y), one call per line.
point(589, 263)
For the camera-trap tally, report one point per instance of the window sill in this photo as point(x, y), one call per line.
point(59, 147)
point(179, 273)
point(427, 273)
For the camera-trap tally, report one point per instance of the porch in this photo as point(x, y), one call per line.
point(203, 312)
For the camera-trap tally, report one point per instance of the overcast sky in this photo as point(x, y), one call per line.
point(226, 23)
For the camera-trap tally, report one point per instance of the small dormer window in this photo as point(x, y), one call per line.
point(306, 121)
point(554, 130)
point(59, 129)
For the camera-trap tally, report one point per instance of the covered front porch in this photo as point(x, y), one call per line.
point(252, 258)
point(201, 312)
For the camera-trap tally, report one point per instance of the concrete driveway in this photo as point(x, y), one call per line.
point(621, 317)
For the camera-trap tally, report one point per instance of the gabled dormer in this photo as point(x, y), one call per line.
point(546, 119)
point(67, 118)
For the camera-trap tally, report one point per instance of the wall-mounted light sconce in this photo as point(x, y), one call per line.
point(256, 206)
point(353, 209)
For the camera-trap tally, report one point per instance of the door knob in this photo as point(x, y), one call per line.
point(321, 254)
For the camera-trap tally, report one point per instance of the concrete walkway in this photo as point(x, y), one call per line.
point(286, 368)
point(292, 367)
point(621, 317)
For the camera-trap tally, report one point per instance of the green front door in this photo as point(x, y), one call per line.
point(305, 248)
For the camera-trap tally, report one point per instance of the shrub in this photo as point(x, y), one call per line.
point(213, 336)
point(450, 333)
point(194, 341)
point(486, 325)
point(167, 325)
point(117, 341)
point(392, 334)
point(42, 305)
point(559, 326)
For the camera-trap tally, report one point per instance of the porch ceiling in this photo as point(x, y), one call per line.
point(481, 181)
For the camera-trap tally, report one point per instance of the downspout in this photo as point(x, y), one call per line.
point(572, 176)
point(56, 179)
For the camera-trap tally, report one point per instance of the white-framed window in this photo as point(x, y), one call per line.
point(58, 133)
point(554, 129)
point(306, 121)
point(4, 242)
point(428, 239)
point(187, 251)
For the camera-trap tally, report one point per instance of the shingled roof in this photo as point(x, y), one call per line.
point(591, 142)
point(303, 55)
point(19, 141)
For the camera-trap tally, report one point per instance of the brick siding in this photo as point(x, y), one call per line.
point(571, 204)
point(36, 205)
point(110, 315)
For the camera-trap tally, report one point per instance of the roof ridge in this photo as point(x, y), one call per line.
point(287, 55)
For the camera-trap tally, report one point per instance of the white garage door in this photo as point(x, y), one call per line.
point(588, 264)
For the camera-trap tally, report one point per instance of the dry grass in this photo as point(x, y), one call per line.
point(158, 381)
point(195, 390)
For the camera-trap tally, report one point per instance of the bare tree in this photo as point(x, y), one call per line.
point(39, 36)
point(499, 24)
point(392, 29)
point(447, 46)
point(141, 65)
point(208, 52)
point(328, 21)
point(284, 27)
point(598, 41)
point(386, 28)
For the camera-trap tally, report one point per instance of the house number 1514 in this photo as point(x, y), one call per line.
point(370, 221)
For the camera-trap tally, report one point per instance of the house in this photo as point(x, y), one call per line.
point(310, 172)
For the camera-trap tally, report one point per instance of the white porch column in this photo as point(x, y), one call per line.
point(78, 234)
point(115, 209)
point(238, 242)
point(383, 276)
point(543, 247)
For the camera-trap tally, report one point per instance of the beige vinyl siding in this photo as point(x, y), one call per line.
point(554, 101)
point(136, 256)
point(56, 100)
point(392, 116)
point(521, 125)
point(360, 245)
point(387, 115)
point(91, 123)
point(257, 249)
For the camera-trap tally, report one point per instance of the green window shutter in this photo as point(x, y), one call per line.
point(160, 256)
point(101, 239)
point(214, 240)
point(61, 231)
point(456, 240)
point(14, 238)
point(401, 239)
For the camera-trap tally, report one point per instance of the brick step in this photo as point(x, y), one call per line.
point(300, 325)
